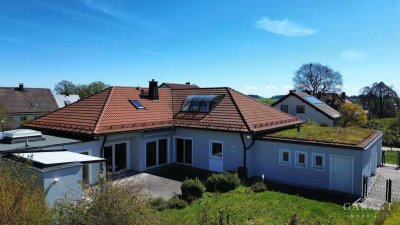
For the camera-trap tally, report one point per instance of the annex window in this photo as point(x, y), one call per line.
point(318, 161)
point(285, 108)
point(136, 103)
point(200, 103)
point(301, 159)
point(300, 109)
point(284, 157)
point(216, 149)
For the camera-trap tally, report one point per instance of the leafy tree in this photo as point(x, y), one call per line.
point(96, 87)
point(22, 200)
point(82, 90)
point(352, 115)
point(314, 77)
point(381, 100)
point(65, 88)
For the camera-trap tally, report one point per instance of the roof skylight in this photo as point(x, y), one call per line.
point(313, 100)
point(200, 103)
point(136, 103)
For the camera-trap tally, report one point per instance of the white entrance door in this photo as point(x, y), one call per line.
point(342, 174)
point(216, 161)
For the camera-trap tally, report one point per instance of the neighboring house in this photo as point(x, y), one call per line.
point(334, 100)
point(178, 86)
point(25, 104)
point(308, 108)
point(64, 100)
point(217, 129)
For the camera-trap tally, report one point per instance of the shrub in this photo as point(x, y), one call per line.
point(222, 182)
point(176, 203)
point(158, 204)
point(192, 189)
point(259, 187)
point(109, 204)
point(22, 200)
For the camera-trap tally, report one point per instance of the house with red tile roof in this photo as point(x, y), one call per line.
point(216, 129)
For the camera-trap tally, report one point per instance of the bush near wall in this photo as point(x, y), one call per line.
point(192, 189)
point(21, 199)
point(222, 182)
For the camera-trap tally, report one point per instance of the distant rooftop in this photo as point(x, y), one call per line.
point(178, 86)
point(64, 100)
point(312, 133)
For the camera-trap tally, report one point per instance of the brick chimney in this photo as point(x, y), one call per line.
point(153, 90)
point(343, 95)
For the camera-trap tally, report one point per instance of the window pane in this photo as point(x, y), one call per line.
point(217, 149)
point(318, 160)
point(185, 105)
point(162, 151)
point(85, 170)
point(194, 106)
point(120, 157)
point(188, 151)
point(300, 109)
point(151, 154)
point(301, 158)
point(108, 157)
point(179, 150)
point(285, 108)
point(203, 107)
point(285, 156)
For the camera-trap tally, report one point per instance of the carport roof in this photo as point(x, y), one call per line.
point(58, 157)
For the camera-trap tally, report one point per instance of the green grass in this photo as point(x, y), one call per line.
point(394, 215)
point(268, 101)
point(268, 207)
point(312, 132)
point(391, 157)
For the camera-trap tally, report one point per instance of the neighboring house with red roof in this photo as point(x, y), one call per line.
point(334, 100)
point(178, 86)
point(217, 129)
point(308, 108)
point(24, 104)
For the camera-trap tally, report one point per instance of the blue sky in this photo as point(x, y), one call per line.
point(252, 46)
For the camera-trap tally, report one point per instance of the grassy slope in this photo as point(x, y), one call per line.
point(267, 101)
point(268, 207)
point(327, 134)
point(394, 217)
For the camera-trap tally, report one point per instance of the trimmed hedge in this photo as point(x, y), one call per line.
point(222, 182)
point(192, 189)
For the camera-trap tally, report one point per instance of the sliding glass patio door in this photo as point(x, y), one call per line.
point(183, 149)
point(116, 157)
point(156, 152)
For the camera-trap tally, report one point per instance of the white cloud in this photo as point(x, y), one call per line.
point(283, 27)
point(352, 55)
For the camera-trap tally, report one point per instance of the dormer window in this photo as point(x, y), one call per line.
point(200, 103)
point(136, 103)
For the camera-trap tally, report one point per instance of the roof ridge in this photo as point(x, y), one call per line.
point(238, 109)
point(103, 109)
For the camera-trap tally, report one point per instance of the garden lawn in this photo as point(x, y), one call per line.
point(391, 157)
point(268, 207)
point(268, 101)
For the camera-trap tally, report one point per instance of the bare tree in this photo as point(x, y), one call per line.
point(65, 88)
point(314, 77)
point(380, 100)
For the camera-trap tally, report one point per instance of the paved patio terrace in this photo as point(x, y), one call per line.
point(164, 181)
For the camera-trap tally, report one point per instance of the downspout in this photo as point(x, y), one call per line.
point(102, 146)
point(245, 148)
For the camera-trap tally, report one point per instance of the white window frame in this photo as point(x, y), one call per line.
point(314, 166)
point(89, 151)
point(210, 149)
point(285, 163)
point(157, 159)
point(297, 157)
